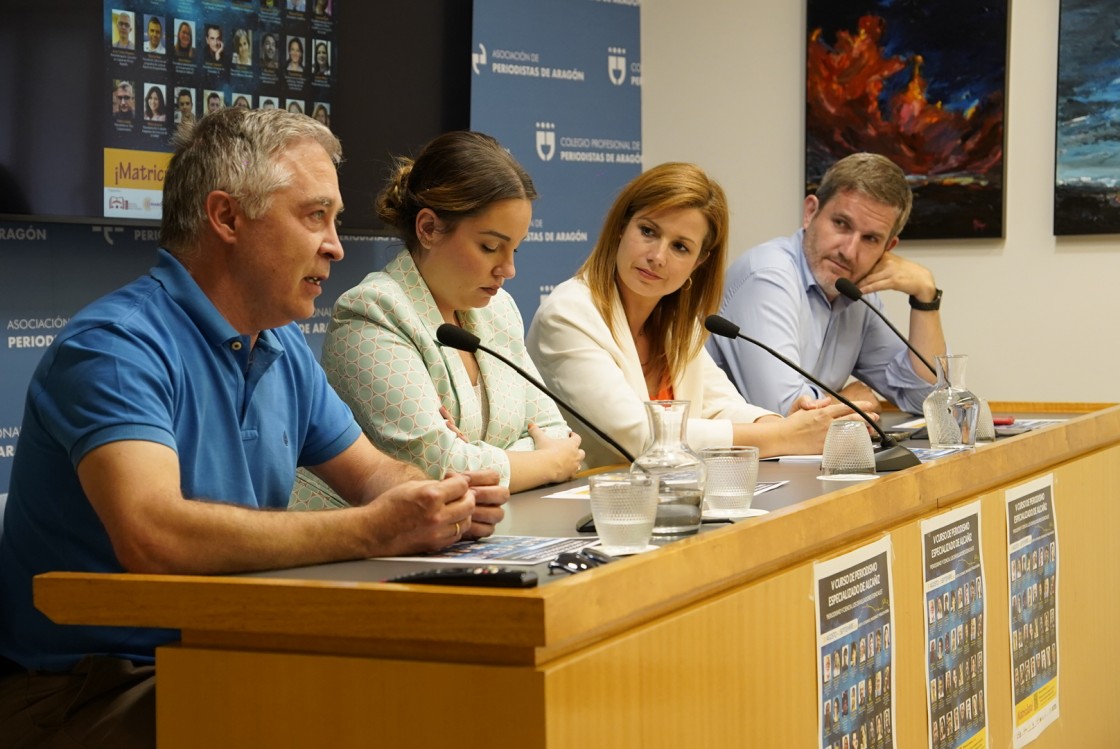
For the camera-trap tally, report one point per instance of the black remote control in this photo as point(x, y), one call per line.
point(488, 576)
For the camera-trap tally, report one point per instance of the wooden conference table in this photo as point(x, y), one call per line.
point(706, 642)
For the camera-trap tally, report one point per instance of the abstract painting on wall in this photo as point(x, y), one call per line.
point(1087, 162)
point(923, 83)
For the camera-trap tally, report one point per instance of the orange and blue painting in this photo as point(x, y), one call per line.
point(922, 82)
point(1087, 163)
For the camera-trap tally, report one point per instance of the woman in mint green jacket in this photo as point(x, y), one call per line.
point(463, 207)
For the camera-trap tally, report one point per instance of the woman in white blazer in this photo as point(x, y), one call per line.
point(627, 329)
point(462, 207)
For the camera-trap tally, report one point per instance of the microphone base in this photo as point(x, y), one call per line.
point(895, 459)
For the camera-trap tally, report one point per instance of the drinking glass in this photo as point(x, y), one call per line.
point(732, 477)
point(623, 506)
point(847, 451)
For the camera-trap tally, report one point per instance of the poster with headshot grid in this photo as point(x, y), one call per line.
point(1032, 581)
point(165, 59)
point(954, 605)
point(854, 622)
point(558, 83)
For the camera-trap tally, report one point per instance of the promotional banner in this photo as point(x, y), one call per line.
point(1032, 564)
point(953, 576)
point(168, 58)
point(63, 267)
point(558, 83)
point(854, 622)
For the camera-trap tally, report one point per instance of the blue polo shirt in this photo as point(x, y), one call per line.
point(152, 361)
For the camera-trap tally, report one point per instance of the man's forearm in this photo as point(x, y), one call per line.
point(926, 335)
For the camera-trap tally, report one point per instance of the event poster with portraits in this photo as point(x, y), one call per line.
point(855, 657)
point(166, 59)
point(956, 663)
point(1032, 564)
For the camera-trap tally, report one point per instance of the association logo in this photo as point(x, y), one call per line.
point(546, 140)
point(478, 58)
point(616, 65)
point(108, 231)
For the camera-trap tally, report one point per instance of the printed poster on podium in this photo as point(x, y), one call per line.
point(954, 603)
point(1032, 569)
point(855, 657)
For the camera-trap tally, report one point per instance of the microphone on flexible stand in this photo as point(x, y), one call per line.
point(850, 290)
point(890, 457)
point(455, 337)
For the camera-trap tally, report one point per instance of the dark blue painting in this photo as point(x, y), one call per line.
point(1087, 169)
point(921, 82)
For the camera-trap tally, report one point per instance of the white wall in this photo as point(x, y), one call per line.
point(723, 85)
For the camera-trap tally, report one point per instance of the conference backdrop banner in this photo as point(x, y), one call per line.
point(558, 83)
point(54, 269)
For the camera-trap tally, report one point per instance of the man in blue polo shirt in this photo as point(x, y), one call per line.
point(193, 383)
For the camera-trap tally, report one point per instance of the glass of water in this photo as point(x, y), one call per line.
point(732, 477)
point(624, 506)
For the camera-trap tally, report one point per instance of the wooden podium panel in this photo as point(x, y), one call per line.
point(708, 642)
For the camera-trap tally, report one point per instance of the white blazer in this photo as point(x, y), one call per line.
point(602, 378)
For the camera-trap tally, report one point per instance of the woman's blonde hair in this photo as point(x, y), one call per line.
point(674, 326)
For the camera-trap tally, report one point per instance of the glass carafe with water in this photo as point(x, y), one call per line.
point(951, 409)
point(679, 471)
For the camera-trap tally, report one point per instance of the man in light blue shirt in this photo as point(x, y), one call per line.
point(783, 293)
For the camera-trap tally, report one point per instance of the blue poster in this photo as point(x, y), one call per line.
point(854, 618)
point(558, 83)
point(954, 605)
point(1032, 571)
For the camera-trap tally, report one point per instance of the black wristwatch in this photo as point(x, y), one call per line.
point(931, 306)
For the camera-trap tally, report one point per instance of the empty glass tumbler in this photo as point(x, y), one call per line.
point(847, 450)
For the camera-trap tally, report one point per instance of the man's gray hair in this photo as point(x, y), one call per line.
point(234, 150)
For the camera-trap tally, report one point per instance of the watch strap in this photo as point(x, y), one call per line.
point(930, 306)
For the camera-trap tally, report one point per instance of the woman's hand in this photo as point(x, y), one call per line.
point(451, 423)
point(803, 431)
point(561, 457)
point(808, 403)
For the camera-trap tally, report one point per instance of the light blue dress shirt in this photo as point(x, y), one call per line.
point(771, 294)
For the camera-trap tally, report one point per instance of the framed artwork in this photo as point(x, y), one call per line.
point(922, 82)
point(1087, 151)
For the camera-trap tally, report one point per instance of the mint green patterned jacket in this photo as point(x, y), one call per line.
point(382, 357)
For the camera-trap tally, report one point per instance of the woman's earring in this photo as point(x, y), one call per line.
point(687, 284)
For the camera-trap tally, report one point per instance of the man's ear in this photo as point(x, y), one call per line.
point(427, 226)
point(891, 244)
point(222, 213)
point(809, 209)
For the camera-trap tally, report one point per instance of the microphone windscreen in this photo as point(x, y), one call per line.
point(848, 289)
point(457, 338)
point(721, 326)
